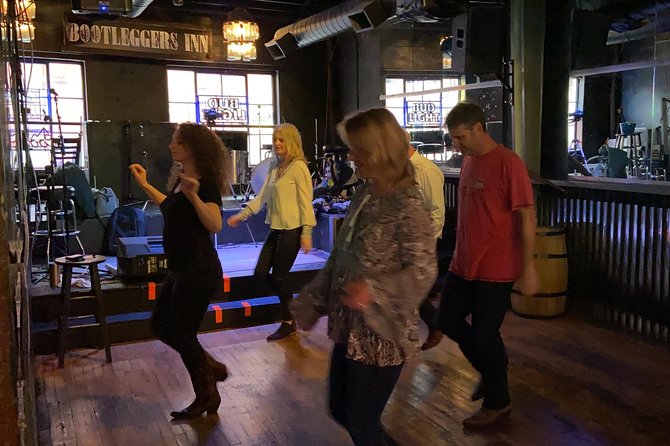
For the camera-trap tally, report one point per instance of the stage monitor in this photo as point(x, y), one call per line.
point(102, 6)
point(234, 140)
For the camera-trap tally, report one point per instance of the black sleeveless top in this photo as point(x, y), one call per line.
point(186, 241)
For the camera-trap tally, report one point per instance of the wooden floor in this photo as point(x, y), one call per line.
point(571, 384)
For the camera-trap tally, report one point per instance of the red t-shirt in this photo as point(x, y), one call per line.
point(488, 233)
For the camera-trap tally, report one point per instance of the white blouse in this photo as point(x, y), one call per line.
point(289, 199)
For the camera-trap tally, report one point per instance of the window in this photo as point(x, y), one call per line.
point(243, 102)
point(422, 115)
point(574, 109)
point(66, 79)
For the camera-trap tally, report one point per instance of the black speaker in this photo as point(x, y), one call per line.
point(588, 39)
point(479, 39)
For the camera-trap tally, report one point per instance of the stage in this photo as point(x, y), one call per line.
point(242, 300)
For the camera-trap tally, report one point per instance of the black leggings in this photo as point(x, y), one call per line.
point(181, 305)
point(279, 252)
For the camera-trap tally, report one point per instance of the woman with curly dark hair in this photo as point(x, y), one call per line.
point(191, 211)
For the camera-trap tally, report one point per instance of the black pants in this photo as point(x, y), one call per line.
point(279, 252)
point(358, 394)
point(480, 340)
point(180, 307)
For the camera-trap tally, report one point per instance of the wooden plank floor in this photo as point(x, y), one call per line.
point(571, 384)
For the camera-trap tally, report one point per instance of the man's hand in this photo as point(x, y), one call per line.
point(529, 282)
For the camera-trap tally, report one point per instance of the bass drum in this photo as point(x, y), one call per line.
point(259, 173)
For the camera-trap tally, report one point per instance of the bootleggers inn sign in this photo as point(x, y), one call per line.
point(133, 38)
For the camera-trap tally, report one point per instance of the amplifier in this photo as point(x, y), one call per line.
point(141, 258)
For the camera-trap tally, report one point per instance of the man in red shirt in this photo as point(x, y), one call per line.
point(495, 238)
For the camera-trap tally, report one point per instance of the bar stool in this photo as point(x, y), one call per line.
point(95, 294)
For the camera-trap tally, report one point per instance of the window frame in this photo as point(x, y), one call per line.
point(258, 134)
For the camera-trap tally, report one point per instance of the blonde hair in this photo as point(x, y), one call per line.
point(292, 142)
point(211, 158)
point(382, 142)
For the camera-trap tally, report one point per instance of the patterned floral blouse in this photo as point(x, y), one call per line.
point(389, 243)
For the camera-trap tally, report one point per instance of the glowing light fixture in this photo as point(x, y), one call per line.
point(240, 33)
point(25, 14)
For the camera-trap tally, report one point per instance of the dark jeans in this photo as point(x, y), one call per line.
point(180, 307)
point(358, 394)
point(279, 252)
point(480, 340)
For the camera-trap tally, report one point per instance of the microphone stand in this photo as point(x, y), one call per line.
point(63, 209)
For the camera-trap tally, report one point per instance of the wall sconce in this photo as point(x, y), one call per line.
point(25, 14)
point(240, 33)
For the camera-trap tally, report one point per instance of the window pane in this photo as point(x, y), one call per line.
point(209, 84)
point(67, 80)
point(70, 110)
point(256, 142)
point(432, 85)
point(260, 89)
point(182, 112)
point(234, 85)
point(394, 85)
point(261, 115)
point(181, 86)
point(38, 105)
point(34, 76)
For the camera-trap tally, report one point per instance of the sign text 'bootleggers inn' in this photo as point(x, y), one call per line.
point(140, 38)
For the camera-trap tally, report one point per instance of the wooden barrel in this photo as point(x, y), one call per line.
point(551, 261)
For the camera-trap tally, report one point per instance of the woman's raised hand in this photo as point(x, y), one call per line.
point(189, 186)
point(139, 173)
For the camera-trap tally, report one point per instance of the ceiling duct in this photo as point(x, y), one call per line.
point(360, 16)
point(353, 14)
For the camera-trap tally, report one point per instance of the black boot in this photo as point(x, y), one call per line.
point(219, 369)
point(284, 330)
point(207, 397)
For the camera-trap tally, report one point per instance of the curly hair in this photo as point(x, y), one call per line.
point(211, 158)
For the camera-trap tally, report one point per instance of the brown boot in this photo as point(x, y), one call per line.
point(219, 369)
point(207, 398)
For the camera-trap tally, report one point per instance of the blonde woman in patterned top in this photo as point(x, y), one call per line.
point(381, 268)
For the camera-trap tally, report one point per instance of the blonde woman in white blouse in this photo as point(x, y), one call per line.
point(287, 190)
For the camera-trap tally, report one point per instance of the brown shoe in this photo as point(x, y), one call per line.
point(432, 340)
point(484, 417)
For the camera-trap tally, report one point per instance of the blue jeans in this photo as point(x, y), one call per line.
point(480, 341)
point(358, 394)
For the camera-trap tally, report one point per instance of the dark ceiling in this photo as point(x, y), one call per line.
point(278, 9)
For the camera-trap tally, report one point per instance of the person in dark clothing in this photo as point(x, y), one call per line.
point(191, 211)
point(287, 191)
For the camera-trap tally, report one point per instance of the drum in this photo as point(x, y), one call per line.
point(552, 268)
point(259, 173)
